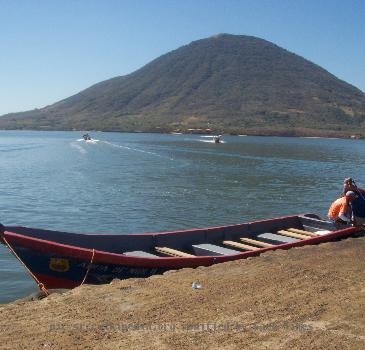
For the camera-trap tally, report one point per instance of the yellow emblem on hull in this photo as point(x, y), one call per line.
point(59, 264)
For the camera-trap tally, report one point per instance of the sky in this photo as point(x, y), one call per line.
point(52, 49)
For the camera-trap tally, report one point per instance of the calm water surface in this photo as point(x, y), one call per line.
point(132, 183)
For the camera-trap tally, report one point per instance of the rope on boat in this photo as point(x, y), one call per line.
point(88, 268)
point(39, 283)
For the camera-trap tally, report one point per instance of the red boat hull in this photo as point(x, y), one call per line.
point(60, 265)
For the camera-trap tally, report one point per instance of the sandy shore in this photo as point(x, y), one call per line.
point(306, 298)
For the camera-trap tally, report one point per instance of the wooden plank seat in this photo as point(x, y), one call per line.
point(314, 224)
point(173, 252)
point(276, 239)
point(257, 243)
point(322, 232)
point(292, 234)
point(240, 245)
point(207, 249)
point(141, 254)
point(302, 232)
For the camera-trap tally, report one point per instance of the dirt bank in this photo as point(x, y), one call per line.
point(305, 298)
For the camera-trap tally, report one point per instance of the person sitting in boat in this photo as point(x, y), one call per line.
point(340, 210)
point(86, 137)
point(357, 205)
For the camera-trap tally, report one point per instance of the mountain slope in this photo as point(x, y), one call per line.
point(226, 82)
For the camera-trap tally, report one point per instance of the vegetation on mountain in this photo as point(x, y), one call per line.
point(225, 83)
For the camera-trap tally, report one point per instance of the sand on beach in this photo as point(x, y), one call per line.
point(311, 297)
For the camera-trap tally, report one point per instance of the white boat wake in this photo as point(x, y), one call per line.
point(88, 141)
point(78, 147)
point(135, 149)
point(211, 141)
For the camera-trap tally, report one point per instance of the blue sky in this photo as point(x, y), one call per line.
point(51, 49)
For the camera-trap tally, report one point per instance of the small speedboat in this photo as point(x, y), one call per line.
point(86, 137)
point(217, 138)
point(66, 260)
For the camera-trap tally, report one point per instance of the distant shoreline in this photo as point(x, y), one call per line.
point(289, 133)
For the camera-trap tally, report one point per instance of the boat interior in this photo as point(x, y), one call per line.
point(216, 241)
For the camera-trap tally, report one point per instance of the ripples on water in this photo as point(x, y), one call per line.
point(129, 183)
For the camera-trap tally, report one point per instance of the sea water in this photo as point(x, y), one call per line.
point(134, 183)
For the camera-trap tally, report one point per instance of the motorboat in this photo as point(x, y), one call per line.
point(86, 137)
point(217, 139)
